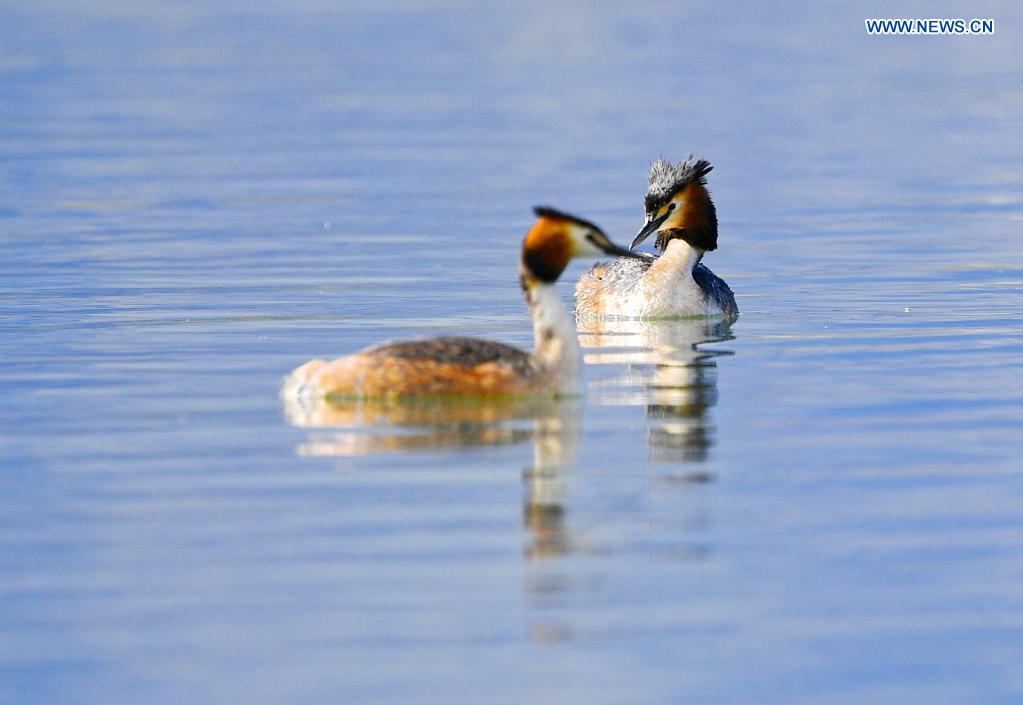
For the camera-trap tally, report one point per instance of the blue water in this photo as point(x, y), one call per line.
point(819, 504)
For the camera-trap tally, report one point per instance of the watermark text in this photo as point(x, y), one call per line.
point(930, 26)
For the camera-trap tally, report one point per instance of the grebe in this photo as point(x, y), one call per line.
point(675, 284)
point(469, 366)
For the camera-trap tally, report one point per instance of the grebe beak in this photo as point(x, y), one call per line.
point(649, 227)
point(601, 241)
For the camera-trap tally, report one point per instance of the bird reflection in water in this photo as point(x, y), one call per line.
point(657, 364)
point(555, 449)
point(667, 371)
point(357, 427)
point(661, 366)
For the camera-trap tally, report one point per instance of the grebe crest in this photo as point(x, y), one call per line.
point(679, 209)
point(463, 366)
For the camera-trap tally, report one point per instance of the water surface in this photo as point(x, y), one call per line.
point(819, 503)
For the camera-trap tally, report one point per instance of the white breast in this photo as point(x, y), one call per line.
point(666, 289)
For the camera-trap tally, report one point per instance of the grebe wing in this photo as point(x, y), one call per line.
point(453, 350)
point(716, 289)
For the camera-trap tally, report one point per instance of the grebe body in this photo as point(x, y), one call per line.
point(654, 287)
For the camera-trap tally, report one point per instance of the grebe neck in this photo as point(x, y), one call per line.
point(556, 347)
point(679, 257)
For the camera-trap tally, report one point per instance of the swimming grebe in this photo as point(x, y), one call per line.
point(470, 366)
point(675, 284)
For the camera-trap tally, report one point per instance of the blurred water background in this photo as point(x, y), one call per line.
point(819, 504)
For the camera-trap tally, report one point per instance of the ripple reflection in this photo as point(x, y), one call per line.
point(667, 371)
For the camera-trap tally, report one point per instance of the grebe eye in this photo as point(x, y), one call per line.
point(671, 207)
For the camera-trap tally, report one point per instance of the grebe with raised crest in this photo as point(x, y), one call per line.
point(675, 284)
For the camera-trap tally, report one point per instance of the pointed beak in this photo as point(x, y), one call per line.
point(602, 242)
point(648, 227)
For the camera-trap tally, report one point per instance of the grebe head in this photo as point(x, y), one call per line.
point(678, 205)
point(558, 237)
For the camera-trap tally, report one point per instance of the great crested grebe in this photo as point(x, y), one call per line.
point(675, 284)
point(469, 366)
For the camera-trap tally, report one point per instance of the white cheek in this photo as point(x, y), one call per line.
point(675, 219)
point(585, 248)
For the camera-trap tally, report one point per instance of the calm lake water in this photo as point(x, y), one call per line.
point(822, 503)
